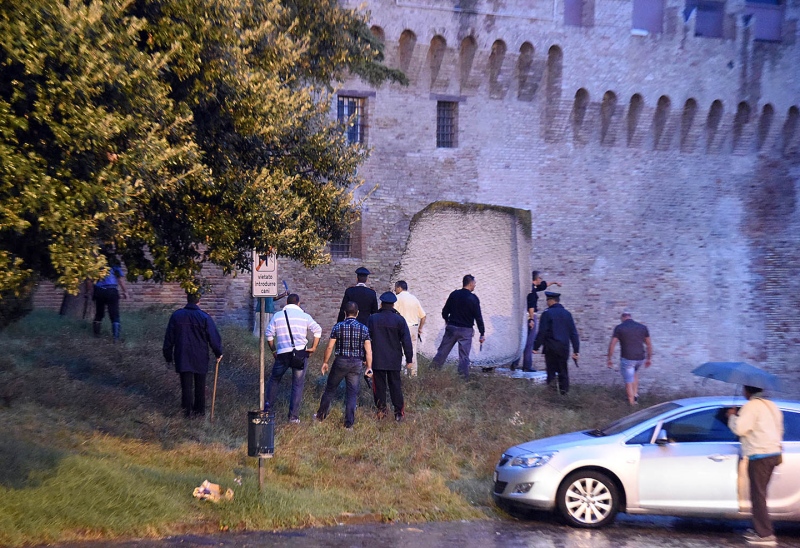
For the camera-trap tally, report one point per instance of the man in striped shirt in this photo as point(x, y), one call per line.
point(350, 339)
point(280, 342)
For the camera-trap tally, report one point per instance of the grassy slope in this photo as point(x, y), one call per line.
point(93, 443)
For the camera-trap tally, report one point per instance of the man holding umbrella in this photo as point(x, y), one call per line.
point(759, 425)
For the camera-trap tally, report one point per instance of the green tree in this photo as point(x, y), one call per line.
point(171, 133)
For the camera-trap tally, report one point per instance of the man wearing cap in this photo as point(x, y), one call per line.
point(556, 332)
point(190, 332)
point(363, 296)
point(390, 340)
point(409, 307)
point(635, 349)
point(461, 310)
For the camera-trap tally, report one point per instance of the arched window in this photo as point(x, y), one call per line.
point(378, 33)
point(408, 40)
point(634, 112)
point(660, 119)
point(607, 110)
point(466, 56)
point(764, 125)
point(687, 119)
point(579, 107)
point(526, 81)
point(435, 56)
point(790, 128)
point(712, 122)
point(496, 58)
point(741, 119)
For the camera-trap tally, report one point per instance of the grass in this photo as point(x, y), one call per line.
point(93, 443)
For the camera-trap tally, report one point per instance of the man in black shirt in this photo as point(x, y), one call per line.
point(391, 339)
point(556, 332)
point(460, 312)
point(533, 298)
point(363, 296)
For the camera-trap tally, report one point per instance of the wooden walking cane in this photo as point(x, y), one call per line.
point(214, 393)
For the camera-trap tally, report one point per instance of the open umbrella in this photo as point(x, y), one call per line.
point(738, 373)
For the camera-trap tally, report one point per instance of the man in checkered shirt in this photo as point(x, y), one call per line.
point(350, 339)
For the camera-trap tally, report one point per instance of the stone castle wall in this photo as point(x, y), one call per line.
point(660, 171)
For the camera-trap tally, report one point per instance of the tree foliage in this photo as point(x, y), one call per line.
point(171, 133)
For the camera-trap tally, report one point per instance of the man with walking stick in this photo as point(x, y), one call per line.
point(190, 333)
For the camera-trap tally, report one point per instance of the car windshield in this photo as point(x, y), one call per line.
point(620, 425)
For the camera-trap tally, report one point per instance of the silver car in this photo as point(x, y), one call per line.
point(678, 458)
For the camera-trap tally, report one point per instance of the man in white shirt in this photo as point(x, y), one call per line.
point(409, 307)
point(282, 341)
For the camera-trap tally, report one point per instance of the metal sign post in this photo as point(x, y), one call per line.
point(264, 284)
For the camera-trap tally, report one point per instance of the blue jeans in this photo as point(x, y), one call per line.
point(527, 354)
point(455, 335)
point(351, 370)
point(280, 367)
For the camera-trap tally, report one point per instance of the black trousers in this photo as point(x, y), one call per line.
point(106, 297)
point(381, 378)
point(193, 404)
point(557, 367)
point(760, 471)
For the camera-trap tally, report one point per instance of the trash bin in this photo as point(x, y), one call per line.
point(260, 434)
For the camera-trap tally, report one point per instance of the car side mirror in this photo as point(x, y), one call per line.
point(662, 438)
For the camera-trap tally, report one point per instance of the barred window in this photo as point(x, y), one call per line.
point(446, 124)
point(350, 111)
point(341, 248)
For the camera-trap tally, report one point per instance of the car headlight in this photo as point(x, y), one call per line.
point(532, 460)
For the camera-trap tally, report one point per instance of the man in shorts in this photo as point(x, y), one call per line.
point(635, 350)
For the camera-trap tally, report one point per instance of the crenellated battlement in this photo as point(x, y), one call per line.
point(605, 82)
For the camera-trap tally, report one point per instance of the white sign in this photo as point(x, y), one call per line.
point(265, 274)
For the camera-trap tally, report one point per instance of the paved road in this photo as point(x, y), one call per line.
point(542, 532)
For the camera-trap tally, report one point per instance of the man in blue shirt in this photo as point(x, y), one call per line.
point(105, 294)
point(190, 332)
point(460, 312)
point(350, 339)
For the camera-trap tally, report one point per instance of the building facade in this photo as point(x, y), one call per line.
point(654, 145)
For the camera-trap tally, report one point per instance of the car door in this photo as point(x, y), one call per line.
point(783, 492)
point(696, 471)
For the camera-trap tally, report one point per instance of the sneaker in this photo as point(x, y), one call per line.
point(294, 421)
point(398, 418)
point(636, 398)
point(753, 538)
point(348, 427)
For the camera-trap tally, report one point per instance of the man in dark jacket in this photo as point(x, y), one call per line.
point(556, 331)
point(390, 340)
point(460, 312)
point(190, 332)
point(363, 296)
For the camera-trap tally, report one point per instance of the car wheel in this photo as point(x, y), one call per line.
point(588, 499)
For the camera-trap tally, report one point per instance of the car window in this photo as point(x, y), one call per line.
point(637, 418)
point(709, 425)
point(643, 438)
point(791, 426)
